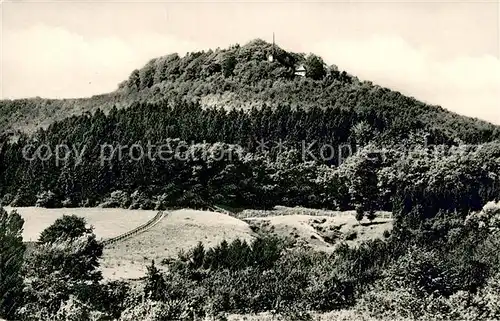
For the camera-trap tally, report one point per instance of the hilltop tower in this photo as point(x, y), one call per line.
point(270, 58)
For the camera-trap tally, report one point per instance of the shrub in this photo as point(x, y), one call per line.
point(111, 298)
point(117, 199)
point(64, 264)
point(424, 272)
point(150, 310)
point(360, 212)
point(296, 316)
point(351, 235)
point(155, 287)
point(48, 199)
point(65, 228)
point(75, 310)
point(6, 199)
point(141, 201)
point(70, 203)
point(371, 215)
point(11, 261)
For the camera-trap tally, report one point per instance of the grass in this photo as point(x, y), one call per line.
point(180, 230)
point(107, 222)
point(318, 232)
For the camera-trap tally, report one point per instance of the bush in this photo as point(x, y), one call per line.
point(263, 252)
point(296, 316)
point(111, 298)
point(141, 201)
point(6, 199)
point(155, 287)
point(156, 311)
point(23, 198)
point(117, 199)
point(360, 212)
point(351, 235)
point(64, 264)
point(424, 273)
point(75, 310)
point(371, 215)
point(48, 199)
point(70, 203)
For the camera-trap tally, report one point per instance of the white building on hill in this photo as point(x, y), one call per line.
point(300, 70)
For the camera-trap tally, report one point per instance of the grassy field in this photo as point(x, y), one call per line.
point(322, 233)
point(107, 222)
point(179, 230)
point(183, 229)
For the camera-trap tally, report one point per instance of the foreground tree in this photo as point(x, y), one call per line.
point(360, 172)
point(68, 227)
point(155, 288)
point(11, 259)
point(65, 264)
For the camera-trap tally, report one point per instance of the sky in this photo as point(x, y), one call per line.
point(444, 53)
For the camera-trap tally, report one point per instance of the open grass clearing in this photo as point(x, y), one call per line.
point(107, 222)
point(322, 233)
point(180, 230)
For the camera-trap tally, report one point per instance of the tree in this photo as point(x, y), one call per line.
point(315, 67)
point(363, 133)
point(48, 200)
point(117, 199)
point(155, 287)
point(146, 75)
point(11, 260)
point(361, 174)
point(360, 212)
point(24, 197)
point(67, 227)
point(6, 200)
point(228, 64)
point(197, 256)
point(64, 264)
point(134, 81)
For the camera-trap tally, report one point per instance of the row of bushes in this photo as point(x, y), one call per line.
point(117, 199)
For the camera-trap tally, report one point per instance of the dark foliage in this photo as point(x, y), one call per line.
point(11, 260)
point(68, 227)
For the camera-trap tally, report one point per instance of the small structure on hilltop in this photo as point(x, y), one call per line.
point(300, 70)
point(270, 57)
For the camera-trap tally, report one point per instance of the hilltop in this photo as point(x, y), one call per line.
point(244, 77)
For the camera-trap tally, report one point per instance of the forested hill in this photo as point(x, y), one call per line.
point(243, 77)
point(181, 104)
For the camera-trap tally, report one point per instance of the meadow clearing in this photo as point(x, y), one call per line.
point(322, 232)
point(107, 222)
point(181, 230)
